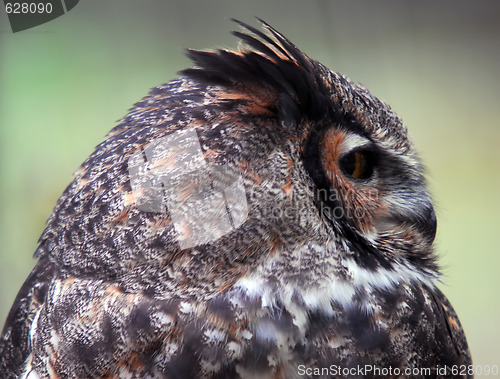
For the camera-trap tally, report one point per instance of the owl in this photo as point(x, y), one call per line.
point(260, 217)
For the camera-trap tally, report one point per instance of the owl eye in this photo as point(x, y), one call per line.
point(358, 164)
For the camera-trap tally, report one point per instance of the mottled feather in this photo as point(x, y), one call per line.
point(260, 215)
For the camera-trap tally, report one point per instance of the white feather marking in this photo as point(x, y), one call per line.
point(54, 339)
point(33, 328)
point(326, 291)
point(29, 374)
point(383, 278)
point(215, 336)
point(186, 307)
point(353, 141)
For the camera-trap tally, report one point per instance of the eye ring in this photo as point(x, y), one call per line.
point(359, 164)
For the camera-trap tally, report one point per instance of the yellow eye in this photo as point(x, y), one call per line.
point(358, 164)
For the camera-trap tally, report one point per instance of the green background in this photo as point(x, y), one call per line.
point(64, 84)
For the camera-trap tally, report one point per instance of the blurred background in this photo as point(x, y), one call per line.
point(64, 84)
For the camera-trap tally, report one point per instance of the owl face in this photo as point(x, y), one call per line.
point(325, 163)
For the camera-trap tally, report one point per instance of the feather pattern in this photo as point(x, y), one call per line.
point(261, 216)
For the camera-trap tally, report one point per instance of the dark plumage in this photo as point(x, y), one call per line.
point(261, 216)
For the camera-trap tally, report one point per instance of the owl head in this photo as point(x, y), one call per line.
point(260, 159)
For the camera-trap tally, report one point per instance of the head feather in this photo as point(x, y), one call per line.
point(271, 63)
